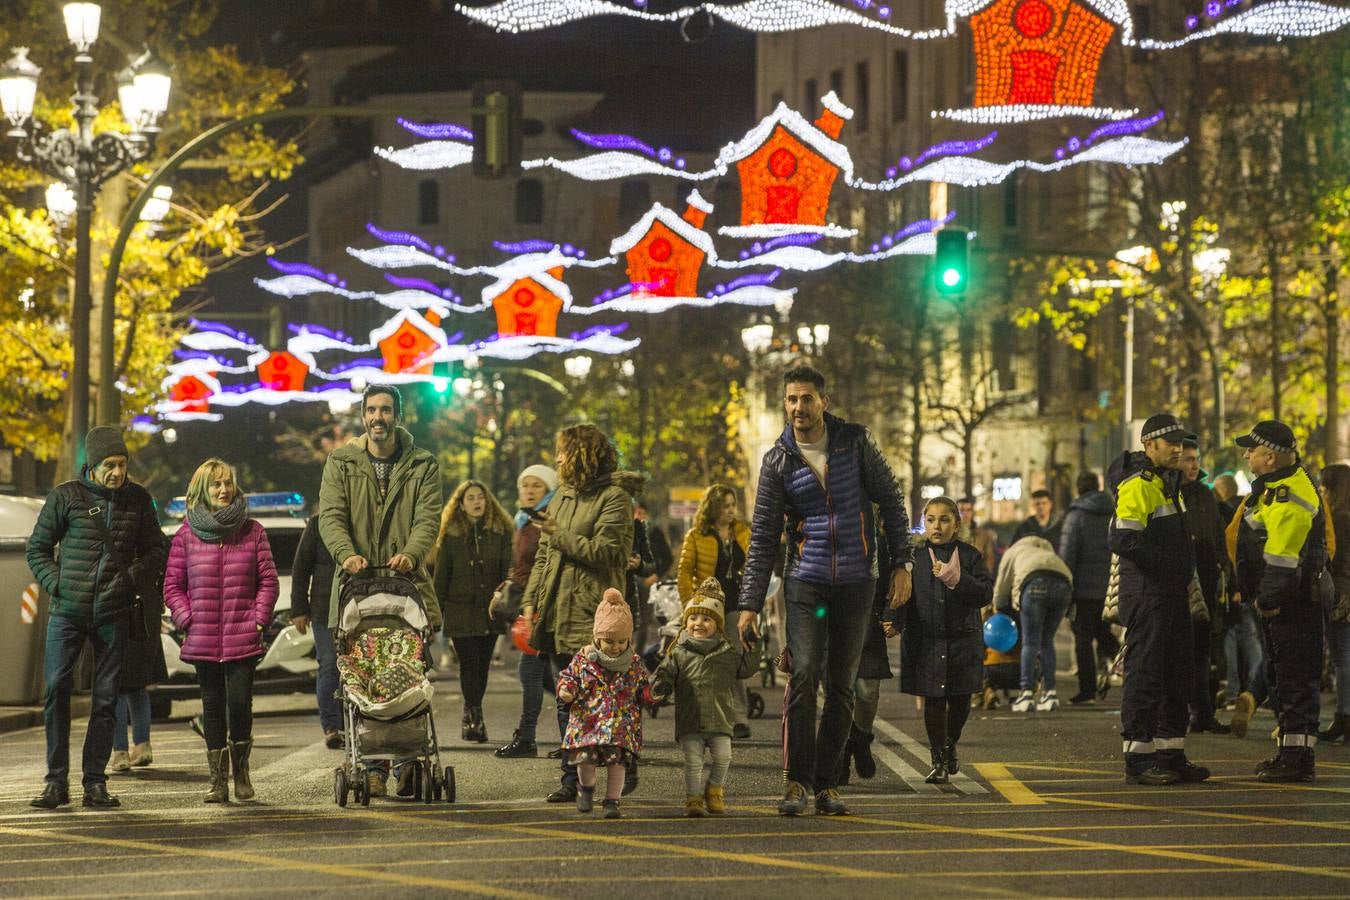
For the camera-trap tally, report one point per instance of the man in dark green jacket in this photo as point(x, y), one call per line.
point(91, 601)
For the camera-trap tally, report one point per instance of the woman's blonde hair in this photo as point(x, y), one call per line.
point(207, 472)
point(705, 519)
point(455, 521)
point(588, 455)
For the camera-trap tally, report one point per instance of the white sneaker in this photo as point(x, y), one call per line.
point(1048, 702)
point(120, 761)
point(1024, 702)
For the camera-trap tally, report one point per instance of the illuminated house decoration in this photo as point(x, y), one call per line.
point(665, 251)
point(408, 341)
point(529, 305)
point(282, 370)
point(787, 168)
point(192, 393)
point(1039, 58)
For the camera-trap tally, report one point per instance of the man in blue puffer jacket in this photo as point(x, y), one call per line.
point(820, 480)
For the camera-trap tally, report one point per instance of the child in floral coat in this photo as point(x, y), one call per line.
point(606, 685)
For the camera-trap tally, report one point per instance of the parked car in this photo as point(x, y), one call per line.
point(289, 663)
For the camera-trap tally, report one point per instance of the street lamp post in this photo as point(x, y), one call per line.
point(84, 162)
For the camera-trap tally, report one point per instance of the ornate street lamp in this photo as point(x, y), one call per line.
point(84, 162)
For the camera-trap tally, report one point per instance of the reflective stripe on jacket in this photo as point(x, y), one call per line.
point(1281, 537)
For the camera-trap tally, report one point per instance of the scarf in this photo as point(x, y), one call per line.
point(214, 525)
point(523, 518)
point(702, 645)
point(618, 663)
point(950, 572)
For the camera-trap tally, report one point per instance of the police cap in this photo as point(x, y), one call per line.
point(1163, 425)
point(1269, 433)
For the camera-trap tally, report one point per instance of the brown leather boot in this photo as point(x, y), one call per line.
point(219, 763)
point(239, 751)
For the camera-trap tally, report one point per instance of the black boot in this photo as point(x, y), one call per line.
point(861, 744)
point(466, 724)
point(239, 753)
point(1336, 732)
point(1289, 767)
point(480, 734)
point(949, 757)
point(519, 747)
point(938, 775)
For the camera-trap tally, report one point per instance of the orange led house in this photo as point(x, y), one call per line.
point(408, 342)
point(191, 394)
point(788, 166)
point(282, 371)
point(529, 306)
point(665, 251)
point(1038, 52)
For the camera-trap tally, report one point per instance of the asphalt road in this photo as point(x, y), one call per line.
point(1043, 811)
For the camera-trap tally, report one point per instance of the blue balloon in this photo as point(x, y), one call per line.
point(1000, 633)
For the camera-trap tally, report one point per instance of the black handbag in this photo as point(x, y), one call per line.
point(138, 630)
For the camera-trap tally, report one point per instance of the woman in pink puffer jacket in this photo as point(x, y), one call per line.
point(220, 587)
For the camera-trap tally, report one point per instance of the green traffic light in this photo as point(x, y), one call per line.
point(951, 277)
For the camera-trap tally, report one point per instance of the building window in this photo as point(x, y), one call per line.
point(810, 94)
point(900, 87)
point(837, 83)
point(635, 198)
point(1003, 350)
point(428, 202)
point(862, 97)
point(529, 201)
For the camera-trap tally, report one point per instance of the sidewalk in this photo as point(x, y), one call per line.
point(17, 718)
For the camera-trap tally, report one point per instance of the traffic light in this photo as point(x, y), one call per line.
point(951, 264)
point(496, 128)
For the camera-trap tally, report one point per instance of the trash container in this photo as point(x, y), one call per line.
point(23, 613)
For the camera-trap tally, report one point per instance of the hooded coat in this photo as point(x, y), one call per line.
point(469, 567)
point(702, 682)
point(354, 520)
point(585, 555)
point(1023, 559)
point(1082, 544)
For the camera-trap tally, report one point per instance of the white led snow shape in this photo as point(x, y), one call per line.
point(397, 256)
point(1116, 11)
point(809, 259)
point(611, 164)
point(1030, 112)
point(1279, 19)
point(523, 346)
point(428, 155)
point(766, 16)
point(772, 230)
point(751, 295)
point(270, 397)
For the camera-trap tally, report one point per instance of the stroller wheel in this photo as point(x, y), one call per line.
point(436, 783)
point(340, 786)
point(449, 784)
point(430, 783)
point(365, 787)
point(754, 705)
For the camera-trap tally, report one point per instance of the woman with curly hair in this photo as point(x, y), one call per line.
point(587, 538)
point(473, 556)
point(715, 548)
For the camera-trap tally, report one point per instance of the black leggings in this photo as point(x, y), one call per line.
point(944, 717)
point(475, 658)
point(227, 699)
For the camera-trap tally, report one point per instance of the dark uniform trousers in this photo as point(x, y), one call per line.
point(1159, 670)
point(1294, 665)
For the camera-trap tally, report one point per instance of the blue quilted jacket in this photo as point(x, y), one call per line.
point(831, 527)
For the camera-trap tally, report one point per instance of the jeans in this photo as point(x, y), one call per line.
point(227, 701)
point(326, 682)
point(1243, 637)
point(535, 678)
point(132, 707)
point(691, 745)
point(475, 658)
point(866, 699)
point(1338, 642)
point(1045, 599)
point(1088, 627)
point(65, 640)
point(558, 662)
point(820, 617)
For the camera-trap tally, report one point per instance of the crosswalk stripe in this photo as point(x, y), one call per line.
point(963, 782)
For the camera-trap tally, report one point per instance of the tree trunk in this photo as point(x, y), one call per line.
point(1331, 437)
point(968, 459)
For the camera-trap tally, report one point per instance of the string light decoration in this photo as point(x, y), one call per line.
point(530, 305)
point(1279, 19)
point(765, 16)
point(794, 253)
point(665, 251)
point(430, 155)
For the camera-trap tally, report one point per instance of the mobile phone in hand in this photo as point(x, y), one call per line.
point(532, 513)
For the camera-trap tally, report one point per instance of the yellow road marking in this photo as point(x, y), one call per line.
point(1001, 780)
point(359, 872)
point(1207, 813)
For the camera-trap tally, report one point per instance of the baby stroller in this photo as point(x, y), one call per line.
point(381, 641)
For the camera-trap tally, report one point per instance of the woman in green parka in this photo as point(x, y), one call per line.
point(473, 556)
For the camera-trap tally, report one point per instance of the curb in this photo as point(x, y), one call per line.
point(17, 718)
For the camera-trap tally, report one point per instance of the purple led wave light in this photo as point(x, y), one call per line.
point(221, 328)
point(286, 268)
point(751, 280)
point(421, 284)
point(600, 329)
point(333, 386)
point(437, 130)
point(611, 293)
point(319, 330)
point(200, 354)
point(375, 361)
point(1126, 126)
point(406, 238)
point(921, 226)
point(949, 147)
point(241, 388)
point(614, 142)
point(524, 246)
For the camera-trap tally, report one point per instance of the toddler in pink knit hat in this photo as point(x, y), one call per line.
point(606, 686)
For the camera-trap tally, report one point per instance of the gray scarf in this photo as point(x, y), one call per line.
point(618, 663)
point(214, 525)
point(702, 645)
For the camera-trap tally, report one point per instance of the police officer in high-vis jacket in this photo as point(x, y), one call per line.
point(1149, 535)
point(1281, 553)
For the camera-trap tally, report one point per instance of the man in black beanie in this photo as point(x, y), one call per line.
point(90, 601)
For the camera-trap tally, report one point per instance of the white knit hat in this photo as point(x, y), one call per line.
point(542, 472)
